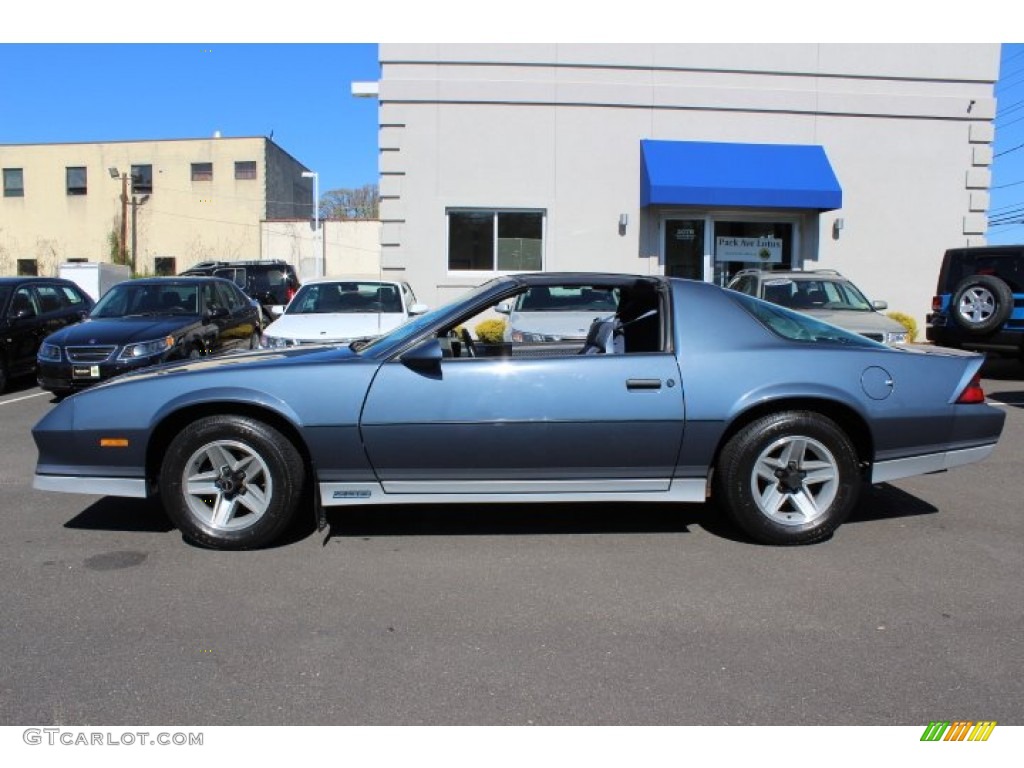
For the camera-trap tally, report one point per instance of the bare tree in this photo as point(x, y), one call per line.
point(351, 204)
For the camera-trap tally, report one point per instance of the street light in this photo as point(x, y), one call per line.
point(316, 220)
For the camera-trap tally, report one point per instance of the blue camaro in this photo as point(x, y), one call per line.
point(681, 391)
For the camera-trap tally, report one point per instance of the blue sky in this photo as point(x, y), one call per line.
point(300, 92)
point(1007, 201)
point(96, 92)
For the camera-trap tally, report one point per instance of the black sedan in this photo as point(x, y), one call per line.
point(31, 308)
point(139, 323)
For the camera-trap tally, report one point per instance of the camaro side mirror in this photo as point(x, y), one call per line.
point(504, 309)
point(418, 309)
point(216, 313)
point(879, 305)
point(425, 356)
point(276, 309)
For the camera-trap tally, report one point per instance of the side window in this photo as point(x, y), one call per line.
point(209, 297)
point(227, 297)
point(746, 285)
point(563, 320)
point(72, 296)
point(24, 303)
point(410, 297)
point(49, 299)
point(234, 274)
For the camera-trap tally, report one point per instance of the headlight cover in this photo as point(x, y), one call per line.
point(276, 342)
point(896, 337)
point(49, 352)
point(147, 348)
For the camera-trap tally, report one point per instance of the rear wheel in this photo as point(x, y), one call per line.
point(789, 478)
point(231, 482)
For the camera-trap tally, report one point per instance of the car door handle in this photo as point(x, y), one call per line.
point(640, 385)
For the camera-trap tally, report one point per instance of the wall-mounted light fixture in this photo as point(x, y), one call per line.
point(837, 227)
point(623, 221)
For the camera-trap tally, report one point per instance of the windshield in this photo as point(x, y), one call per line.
point(559, 298)
point(412, 328)
point(797, 326)
point(129, 298)
point(345, 298)
point(820, 293)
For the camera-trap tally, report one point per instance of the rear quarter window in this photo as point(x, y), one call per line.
point(799, 327)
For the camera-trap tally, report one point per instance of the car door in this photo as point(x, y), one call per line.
point(239, 325)
point(571, 424)
point(26, 329)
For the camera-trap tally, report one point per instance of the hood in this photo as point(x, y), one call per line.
point(334, 326)
point(253, 359)
point(122, 330)
point(856, 321)
point(566, 325)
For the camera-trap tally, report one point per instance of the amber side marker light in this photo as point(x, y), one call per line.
point(113, 442)
point(973, 393)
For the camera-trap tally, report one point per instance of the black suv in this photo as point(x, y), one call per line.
point(979, 301)
point(270, 282)
point(31, 308)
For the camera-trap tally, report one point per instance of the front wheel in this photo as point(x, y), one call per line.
point(789, 478)
point(231, 482)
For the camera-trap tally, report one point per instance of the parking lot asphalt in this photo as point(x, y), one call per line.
point(575, 614)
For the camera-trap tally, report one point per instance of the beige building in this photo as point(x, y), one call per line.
point(188, 200)
point(685, 159)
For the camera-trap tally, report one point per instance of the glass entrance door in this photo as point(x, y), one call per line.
point(684, 248)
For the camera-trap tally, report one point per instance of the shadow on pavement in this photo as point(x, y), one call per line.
point(885, 502)
point(118, 514)
point(515, 519)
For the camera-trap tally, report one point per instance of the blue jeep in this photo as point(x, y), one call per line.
point(979, 301)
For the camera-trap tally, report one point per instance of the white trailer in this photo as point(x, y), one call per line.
point(94, 278)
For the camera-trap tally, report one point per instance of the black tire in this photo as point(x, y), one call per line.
point(255, 477)
point(762, 478)
point(981, 303)
point(3, 375)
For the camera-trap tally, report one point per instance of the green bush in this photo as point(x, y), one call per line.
point(907, 322)
point(490, 331)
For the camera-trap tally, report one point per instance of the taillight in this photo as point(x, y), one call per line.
point(973, 393)
point(289, 293)
point(936, 303)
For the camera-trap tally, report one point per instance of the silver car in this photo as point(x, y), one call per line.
point(825, 295)
point(557, 313)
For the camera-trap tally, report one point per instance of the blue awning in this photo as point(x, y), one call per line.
point(714, 174)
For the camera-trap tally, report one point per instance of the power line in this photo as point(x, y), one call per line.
point(1007, 151)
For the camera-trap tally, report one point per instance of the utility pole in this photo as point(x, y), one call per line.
point(124, 219)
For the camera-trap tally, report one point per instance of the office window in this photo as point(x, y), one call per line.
point(245, 169)
point(142, 179)
point(165, 265)
point(14, 182)
point(76, 180)
point(502, 241)
point(28, 268)
point(202, 171)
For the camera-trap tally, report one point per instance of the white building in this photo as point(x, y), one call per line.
point(684, 159)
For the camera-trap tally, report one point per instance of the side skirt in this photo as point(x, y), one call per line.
point(690, 490)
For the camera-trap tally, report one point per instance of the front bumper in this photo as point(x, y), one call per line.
point(67, 377)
